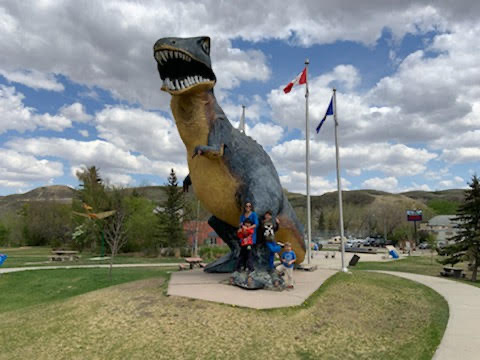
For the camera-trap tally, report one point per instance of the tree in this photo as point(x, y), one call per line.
point(467, 240)
point(321, 222)
point(114, 227)
point(93, 194)
point(431, 240)
point(140, 224)
point(46, 223)
point(170, 215)
point(92, 189)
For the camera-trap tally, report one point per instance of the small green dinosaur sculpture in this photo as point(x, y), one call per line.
point(227, 168)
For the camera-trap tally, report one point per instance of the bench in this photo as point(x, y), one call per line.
point(453, 272)
point(193, 261)
point(183, 267)
point(64, 255)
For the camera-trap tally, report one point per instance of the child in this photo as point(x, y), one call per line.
point(288, 259)
point(269, 229)
point(245, 234)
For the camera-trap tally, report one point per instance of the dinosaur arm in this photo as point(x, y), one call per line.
point(217, 138)
point(211, 152)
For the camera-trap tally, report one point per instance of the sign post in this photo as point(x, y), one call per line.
point(414, 215)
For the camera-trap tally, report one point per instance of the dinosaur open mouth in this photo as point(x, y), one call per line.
point(181, 71)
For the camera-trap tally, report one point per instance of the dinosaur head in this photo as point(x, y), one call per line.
point(184, 64)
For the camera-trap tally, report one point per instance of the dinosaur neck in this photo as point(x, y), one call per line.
point(194, 113)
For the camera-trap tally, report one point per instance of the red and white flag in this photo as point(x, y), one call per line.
point(299, 80)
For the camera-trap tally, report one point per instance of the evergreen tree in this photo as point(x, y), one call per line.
point(321, 222)
point(171, 214)
point(467, 239)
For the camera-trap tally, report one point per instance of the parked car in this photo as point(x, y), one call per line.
point(424, 246)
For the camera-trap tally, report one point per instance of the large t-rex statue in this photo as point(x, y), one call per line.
point(227, 168)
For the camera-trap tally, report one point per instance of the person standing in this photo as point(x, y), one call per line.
point(288, 259)
point(269, 227)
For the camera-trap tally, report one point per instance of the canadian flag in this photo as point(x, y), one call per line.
point(299, 80)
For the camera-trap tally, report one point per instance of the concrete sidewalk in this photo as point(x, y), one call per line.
point(462, 336)
point(10, 270)
point(197, 284)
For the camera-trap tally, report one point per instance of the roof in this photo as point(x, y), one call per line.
point(441, 220)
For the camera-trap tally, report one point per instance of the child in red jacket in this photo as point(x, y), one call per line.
point(245, 233)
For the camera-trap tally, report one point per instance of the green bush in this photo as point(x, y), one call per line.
point(213, 252)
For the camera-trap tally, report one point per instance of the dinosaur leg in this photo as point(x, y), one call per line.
point(228, 234)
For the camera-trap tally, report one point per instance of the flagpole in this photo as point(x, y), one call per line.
point(307, 160)
point(242, 120)
point(339, 181)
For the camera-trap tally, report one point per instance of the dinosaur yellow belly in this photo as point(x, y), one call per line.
point(215, 187)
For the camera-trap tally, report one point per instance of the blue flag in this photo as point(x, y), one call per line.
point(3, 257)
point(329, 112)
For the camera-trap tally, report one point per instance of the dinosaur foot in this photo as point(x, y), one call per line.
point(258, 279)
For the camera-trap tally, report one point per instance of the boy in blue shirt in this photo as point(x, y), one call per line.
point(288, 259)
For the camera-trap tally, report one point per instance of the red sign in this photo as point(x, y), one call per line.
point(414, 215)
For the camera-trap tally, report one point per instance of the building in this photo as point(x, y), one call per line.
point(443, 226)
point(206, 235)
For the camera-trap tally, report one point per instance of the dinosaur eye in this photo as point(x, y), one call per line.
point(206, 45)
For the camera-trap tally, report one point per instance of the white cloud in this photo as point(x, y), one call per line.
point(296, 182)
point(388, 184)
point(142, 131)
point(461, 155)
point(34, 79)
point(16, 116)
point(396, 160)
point(17, 170)
point(109, 44)
point(84, 133)
point(265, 134)
point(75, 112)
point(106, 156)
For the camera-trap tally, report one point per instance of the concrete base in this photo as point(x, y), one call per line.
point(307, 267)
point(197, 284)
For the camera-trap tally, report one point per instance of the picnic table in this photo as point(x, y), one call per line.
point(194, 261)
point(62, 255)
point(452, 271)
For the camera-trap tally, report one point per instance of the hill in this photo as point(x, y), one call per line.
point(437, 202)
point(56, 193)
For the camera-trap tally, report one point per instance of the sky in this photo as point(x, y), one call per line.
point(79, 87)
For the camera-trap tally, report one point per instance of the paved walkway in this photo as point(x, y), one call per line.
point(197, 284)
point(462, 336)
point(9, 270)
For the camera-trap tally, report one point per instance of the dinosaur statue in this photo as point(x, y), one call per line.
point(227, 168)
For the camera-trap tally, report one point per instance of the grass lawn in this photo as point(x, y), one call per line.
point(39, 256)
point(356, 316)
point(27, 288)
point(415, 264)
